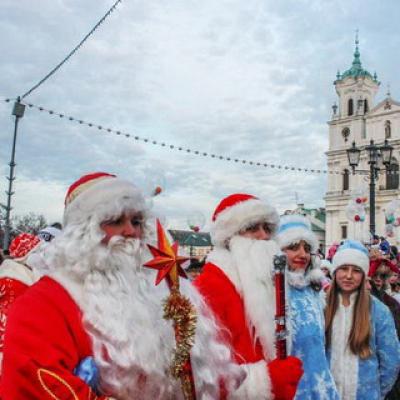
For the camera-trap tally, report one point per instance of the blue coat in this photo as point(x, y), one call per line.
point(307, 331)
point(377, 374)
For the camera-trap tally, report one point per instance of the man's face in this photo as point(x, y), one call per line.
point(128, 225)
point(298, 255)
point(258, 231)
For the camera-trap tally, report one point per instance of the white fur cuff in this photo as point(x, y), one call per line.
point(256, 386)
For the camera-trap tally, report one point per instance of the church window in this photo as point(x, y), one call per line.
point(392, 175)
point(346, 134)
point(346, 176)
point(350, 107)
point(388, 130)
point(366, 108)
point(343, 229)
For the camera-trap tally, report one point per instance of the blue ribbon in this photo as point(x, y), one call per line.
point(88, 371)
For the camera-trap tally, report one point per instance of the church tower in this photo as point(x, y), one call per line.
point(357, 118)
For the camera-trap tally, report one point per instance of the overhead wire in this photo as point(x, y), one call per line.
point(59, 65)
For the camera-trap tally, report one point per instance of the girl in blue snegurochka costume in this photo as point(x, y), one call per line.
point(362, 343)
point(305, 302)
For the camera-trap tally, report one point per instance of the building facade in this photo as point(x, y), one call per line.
point(357, 117)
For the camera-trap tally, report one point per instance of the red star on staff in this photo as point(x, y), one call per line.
point(166, 259)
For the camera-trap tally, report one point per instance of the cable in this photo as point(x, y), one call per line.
point(58, 66)
point(174, 147)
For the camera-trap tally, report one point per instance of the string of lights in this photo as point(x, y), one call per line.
point(58, 66)
point(174, 147)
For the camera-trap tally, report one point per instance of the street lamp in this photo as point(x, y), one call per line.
point(384, 152)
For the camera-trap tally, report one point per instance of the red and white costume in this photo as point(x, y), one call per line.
point(44, 348)
point(97, 301)
point(15, 278)
point(242, 298)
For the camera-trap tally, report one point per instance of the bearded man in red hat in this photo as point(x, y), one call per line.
point(93, 327)
point(237, 284)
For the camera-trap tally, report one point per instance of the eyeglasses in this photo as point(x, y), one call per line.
point(382, 276)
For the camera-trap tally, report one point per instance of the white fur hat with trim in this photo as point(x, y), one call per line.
point(237, 212)
point(101, 195)
point(293, 228)
point(351, 252)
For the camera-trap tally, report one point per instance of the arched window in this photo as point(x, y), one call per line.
point(388, 130)
point(366, 108)
point(346, 176)
point(350, 107)
point(392, 175)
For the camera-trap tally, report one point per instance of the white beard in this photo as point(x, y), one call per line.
point(132, 343)
point(254, 266)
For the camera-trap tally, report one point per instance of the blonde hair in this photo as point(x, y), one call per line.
point(360, 331)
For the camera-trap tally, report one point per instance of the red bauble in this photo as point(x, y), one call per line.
point(157, 190)
point(358, 200)
point(357, 218)
point(195, 228)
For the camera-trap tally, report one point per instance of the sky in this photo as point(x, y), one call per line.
point(244, 79)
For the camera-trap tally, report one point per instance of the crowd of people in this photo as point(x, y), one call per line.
point(81, 318)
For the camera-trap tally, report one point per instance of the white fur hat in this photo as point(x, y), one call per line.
point(351, 252)
point(239, 211)
point(102, 195)
point(293, 228)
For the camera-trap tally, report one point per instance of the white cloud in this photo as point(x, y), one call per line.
point(244, 79)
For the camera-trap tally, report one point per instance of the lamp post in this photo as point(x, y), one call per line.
point(18, 111)
point(375, 152)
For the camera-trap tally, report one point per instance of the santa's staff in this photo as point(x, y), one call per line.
point(280, 315)
point(176, 307)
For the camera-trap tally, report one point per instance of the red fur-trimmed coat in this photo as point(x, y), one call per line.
point(44, 342)
point(228, 307)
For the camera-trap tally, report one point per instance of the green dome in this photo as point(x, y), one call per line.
point(356, 70)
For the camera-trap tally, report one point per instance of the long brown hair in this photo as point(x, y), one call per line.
point(360, 331)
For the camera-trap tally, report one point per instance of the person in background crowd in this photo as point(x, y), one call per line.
point(360, 333)
point(320, 251)
point(306, 308)
point(332, 251)
point(94, 326)
point(384, 246)
point(237, 284)
point(16, 276)
point(326, 268)
point(380, 271)
point(375, 242)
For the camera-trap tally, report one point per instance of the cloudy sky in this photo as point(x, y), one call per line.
point(248, 79)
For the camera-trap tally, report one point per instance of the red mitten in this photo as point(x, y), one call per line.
point(285, 376)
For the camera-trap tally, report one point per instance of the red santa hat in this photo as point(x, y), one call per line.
point(22, 245)
point(237, 212)
point(101, 195)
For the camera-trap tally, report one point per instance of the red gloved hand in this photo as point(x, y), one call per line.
point(285, 376)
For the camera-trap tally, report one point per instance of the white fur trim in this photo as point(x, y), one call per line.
point(104, 199)
point(296, 233)
point(350, 257)
point(223, 259)
point(238, 217)
point(14, 270)
point(256, 386)
point(344, 364)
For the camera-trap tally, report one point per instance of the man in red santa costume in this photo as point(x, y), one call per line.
point(93, 327)
point(237, 284)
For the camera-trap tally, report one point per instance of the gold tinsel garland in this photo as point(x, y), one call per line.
point(179, 309)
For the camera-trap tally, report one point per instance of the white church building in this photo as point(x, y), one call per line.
point(358, 118)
